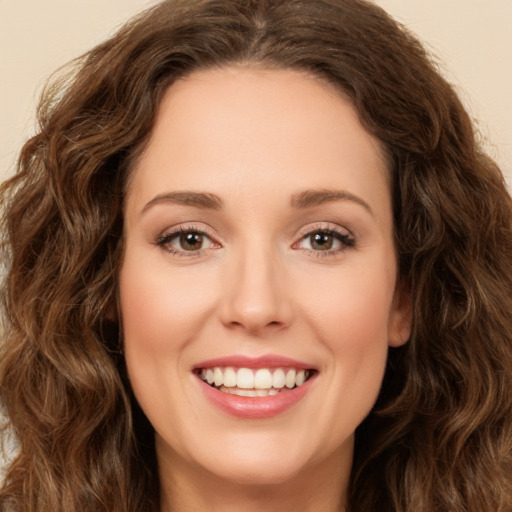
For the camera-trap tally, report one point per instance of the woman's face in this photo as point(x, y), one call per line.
point(259, 253)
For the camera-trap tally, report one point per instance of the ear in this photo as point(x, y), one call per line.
point(400, 318)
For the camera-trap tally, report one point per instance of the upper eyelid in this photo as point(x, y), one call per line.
point(301, 233)
point(324, 226)
point(179, 228)
point(344, 235)
point(163, 241)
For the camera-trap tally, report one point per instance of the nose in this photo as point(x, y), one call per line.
point(256, 298)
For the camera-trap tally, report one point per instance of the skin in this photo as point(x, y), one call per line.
point(259, 285)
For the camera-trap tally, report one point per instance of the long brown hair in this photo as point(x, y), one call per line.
point(439, 438)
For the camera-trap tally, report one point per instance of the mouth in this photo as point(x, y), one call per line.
point(254, 382)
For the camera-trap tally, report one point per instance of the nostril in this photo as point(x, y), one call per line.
point(255, 326)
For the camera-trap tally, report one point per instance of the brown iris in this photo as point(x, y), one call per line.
point(321, 241)
point(191, 241)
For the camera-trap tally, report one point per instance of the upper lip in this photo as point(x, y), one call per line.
point(265, 361)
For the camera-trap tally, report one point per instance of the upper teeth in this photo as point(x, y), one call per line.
point(247, 378)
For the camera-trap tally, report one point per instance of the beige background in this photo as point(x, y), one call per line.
point(473, 39)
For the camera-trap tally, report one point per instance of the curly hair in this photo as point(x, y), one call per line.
point(440, 436)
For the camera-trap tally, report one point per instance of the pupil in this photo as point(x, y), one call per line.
point(191, 241)
point(322, 241)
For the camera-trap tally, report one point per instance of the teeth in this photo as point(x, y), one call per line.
point(218, 377)
point(244, 378)
point(229, 378)
point(290, 378)
point(300, 378)
point(249, 392)
point(262, 379)
point(278, 379)
point(248, 382)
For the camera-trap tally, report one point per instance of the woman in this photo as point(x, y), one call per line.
point(257, 261)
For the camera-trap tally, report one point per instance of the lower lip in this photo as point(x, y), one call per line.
point(257, 407)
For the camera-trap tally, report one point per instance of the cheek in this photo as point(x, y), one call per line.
point(348, 312)
point(160, 305)
point(351, 309)
point(351, 320)
point(162, 311)
point(356, 336)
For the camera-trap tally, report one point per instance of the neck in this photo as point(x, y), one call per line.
point(316, 488)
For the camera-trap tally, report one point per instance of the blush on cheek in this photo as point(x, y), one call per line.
point(160, 306)
point(356, 319)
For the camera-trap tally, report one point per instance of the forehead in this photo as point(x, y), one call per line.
point(246, 130)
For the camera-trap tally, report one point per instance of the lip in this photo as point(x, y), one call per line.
point(266, 361)
point(255, 407)
point(258, 407)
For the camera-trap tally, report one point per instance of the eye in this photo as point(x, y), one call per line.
point(325, 240)
point(186, 241)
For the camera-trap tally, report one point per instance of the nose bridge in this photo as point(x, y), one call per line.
point(255, 297)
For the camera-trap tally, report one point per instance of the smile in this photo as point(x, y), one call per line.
point(248, 382)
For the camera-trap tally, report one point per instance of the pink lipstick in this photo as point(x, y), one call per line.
point(252, 388)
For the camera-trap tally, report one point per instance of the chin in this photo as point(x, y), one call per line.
point(260, 472)
point(254, 462)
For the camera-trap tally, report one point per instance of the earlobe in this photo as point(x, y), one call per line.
point(400, 322)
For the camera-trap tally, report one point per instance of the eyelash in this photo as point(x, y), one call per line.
point(164, 241)
point(345, 239)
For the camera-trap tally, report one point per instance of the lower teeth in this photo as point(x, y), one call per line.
point(251, 392)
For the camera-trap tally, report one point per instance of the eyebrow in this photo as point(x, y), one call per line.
point(197, 199)
point(302, 200)
point(310, 198)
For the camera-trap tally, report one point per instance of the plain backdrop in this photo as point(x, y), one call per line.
point(471, 38)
